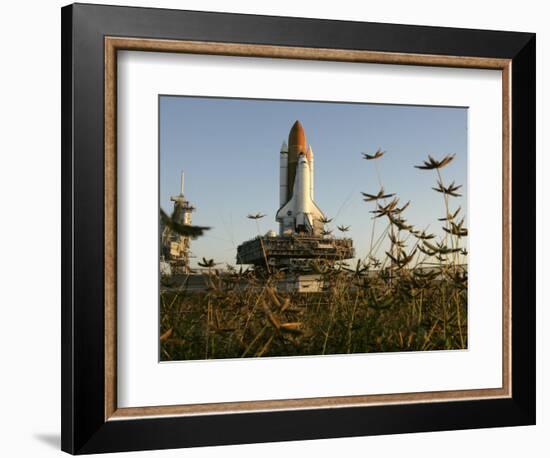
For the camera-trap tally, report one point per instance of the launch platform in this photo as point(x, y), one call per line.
point(295, 250)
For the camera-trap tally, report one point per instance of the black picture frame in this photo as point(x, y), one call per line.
point(84, 428)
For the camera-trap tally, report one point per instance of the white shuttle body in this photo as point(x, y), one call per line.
point(298, 213)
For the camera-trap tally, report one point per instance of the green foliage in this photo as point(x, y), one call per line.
point(181, 229)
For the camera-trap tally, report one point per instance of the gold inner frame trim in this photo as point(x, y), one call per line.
point(114, 44)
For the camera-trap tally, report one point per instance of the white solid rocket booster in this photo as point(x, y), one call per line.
point(283, 181)
point(309, 157)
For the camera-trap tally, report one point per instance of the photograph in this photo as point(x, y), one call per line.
point(292, 228)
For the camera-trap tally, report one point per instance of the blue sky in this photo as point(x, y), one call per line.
point(229, 150)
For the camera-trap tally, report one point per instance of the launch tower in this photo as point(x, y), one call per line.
point(175, 247)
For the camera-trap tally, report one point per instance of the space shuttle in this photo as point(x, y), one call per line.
point(298, 213)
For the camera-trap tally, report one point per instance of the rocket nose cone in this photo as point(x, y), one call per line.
point(297, 137)
point(309, 154)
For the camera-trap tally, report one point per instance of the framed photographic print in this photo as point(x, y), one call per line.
point(282, 228)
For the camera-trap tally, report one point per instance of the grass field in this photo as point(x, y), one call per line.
point(413, 297)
